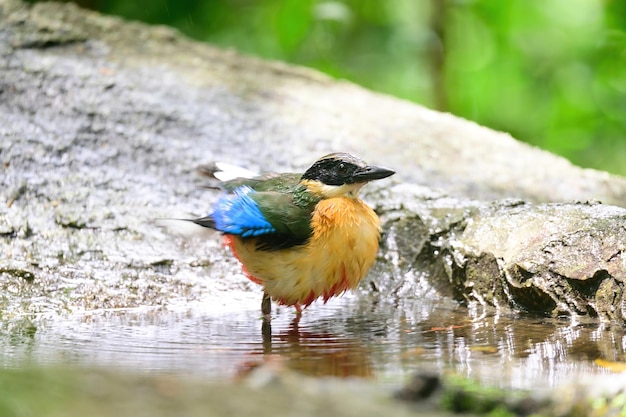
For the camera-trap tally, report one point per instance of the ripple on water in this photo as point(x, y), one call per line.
point(349, 336)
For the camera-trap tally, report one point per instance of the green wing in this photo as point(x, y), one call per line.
point(288, 218)
point(284, 203)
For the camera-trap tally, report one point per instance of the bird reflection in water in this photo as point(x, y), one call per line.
point(309, 352)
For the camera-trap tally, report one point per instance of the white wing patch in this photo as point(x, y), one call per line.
point(229, 172)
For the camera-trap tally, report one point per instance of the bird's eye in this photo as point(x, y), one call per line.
point(342, 169)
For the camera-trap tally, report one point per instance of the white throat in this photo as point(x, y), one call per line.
point(330, 191)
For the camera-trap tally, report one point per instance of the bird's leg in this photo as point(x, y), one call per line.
point(298, 308)
point(296, 319)
point(266, 307)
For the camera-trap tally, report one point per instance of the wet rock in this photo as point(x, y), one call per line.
point(553, 259)
point(107, 90)
point(19, 273)
point(420, 387)
point(103, 123)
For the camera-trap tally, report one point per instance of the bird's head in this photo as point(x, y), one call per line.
point(339, 174)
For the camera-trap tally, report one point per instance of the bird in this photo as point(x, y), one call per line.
point(301, 236)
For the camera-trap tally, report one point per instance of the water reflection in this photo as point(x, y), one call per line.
point(316, 352)
point(349, 337)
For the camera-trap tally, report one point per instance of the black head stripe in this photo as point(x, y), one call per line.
point(334, 169)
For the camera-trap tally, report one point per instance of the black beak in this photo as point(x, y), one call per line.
point(371, 173)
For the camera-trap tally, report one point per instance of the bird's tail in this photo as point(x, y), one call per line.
point(206, 221)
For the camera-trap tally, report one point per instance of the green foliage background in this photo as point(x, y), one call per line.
point(550, 72)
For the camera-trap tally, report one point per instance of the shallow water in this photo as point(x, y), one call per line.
point(348, 337)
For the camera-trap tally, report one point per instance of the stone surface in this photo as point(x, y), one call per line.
point(554, 259)
point(103, 123)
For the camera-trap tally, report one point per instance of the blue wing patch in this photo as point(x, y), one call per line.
point(239, 214)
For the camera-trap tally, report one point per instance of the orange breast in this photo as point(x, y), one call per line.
point(338, 255)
